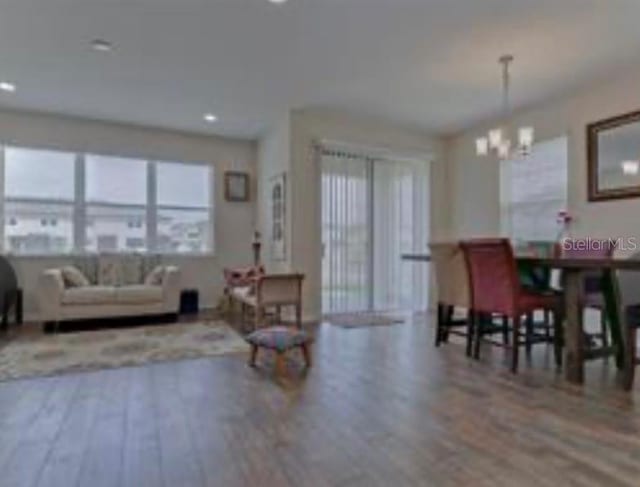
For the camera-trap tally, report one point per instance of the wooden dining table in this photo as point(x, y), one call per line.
point(573, 271)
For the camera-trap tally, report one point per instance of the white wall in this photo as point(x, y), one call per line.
point(310, 127)
point(475, 181)
point(274, 158)
point(234, 222)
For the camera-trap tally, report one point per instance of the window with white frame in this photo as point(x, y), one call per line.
point(183, 217)
point(61, 202)
point(116, 204)
point(533, 190)
point(39, 193)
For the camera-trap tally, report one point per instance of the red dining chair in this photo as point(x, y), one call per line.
point(592, 294)
point(496, 289)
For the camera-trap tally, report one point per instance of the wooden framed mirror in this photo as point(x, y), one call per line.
point(613, 157)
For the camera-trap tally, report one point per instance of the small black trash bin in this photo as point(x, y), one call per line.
point(189, 302)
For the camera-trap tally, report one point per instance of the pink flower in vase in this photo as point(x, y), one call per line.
point(564, 219)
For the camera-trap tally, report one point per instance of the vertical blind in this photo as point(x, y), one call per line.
point(374, 209)
point(400, 225)
point(346, 241)
point(533, 190)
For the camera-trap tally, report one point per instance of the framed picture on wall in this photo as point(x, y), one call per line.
point(236, 186)
point(278, 214)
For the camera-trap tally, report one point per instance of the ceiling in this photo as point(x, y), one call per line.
point(426, 64)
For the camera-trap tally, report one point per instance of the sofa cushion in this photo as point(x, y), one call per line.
point(73, 277)
point(155, 277)
point(138, 294)
point(109, 270)
point(131, 269)
point(89, 295)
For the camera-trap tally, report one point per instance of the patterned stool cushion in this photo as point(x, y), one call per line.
point(279, 338)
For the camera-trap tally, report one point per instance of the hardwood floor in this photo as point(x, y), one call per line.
point(381, 407)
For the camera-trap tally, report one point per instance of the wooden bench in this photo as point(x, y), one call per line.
point(269, 291)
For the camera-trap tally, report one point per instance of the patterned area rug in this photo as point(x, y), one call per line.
point(362, 319)
point(45, 355)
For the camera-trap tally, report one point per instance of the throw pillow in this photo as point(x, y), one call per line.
point(131, 269)
point(72, 277)
point(110, 270)
point(155, 277)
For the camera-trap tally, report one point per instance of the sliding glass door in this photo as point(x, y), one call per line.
point(373, 210)
point(346, 232)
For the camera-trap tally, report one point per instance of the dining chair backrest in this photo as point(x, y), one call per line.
point(493, 276)
point(629, 285)
point(543, 248)
point(591, 248)
point(537, 278)
point(452, 280)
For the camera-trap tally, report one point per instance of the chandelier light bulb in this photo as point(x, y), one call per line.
point(525, 136)
point(482, 146)
point(504, 149)
point(495, 138)
point(498, 140)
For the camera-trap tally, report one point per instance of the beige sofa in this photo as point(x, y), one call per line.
point(59, 303)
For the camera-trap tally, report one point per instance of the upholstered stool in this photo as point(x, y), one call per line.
point(280, 339)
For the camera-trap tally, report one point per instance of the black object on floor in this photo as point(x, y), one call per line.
point(10, 293)
point(93, 324)
point(189, 302)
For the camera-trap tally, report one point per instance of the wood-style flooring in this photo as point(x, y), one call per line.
point(381, 407)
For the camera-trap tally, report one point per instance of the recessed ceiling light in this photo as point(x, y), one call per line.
point(8, 87)
point(101, 45)
point(210, 117)
point(278, 2)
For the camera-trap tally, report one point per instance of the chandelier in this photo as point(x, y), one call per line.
point(498, 141)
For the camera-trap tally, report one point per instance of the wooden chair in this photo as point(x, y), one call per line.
point(238, 281)
point(270, 291)
point(276, 291)
point(495, 288)
point(452, 284)
point(592, 293)
point(628, 294)
point(631, 358)
point(538, 280)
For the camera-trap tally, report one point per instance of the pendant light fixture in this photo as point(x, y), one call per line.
point(499, 140)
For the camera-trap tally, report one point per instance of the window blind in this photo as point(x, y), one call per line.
point(533, 190)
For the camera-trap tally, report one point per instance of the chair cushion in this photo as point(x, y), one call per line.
point(531, 301)
point(279, 338)
point(244, 294)
point(89, 295)
point(244, 276)
point(138, 294)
